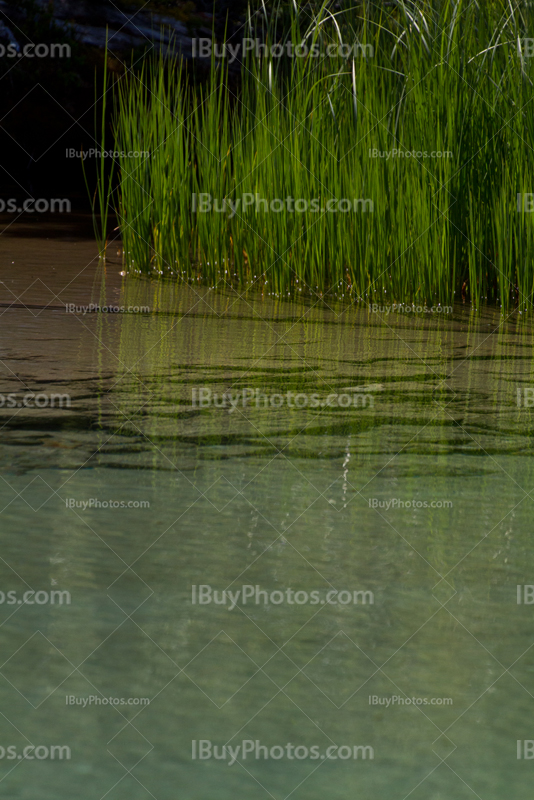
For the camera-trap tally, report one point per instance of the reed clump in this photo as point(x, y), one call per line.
point(392, 158)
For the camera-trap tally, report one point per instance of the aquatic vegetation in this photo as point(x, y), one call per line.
point(390, 159)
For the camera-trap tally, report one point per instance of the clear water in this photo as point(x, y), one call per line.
point(275, 498)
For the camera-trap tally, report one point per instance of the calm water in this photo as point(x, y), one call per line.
point(274, 498)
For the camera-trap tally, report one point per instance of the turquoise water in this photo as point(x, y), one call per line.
point(275, 498)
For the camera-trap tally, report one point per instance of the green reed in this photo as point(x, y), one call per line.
point(453, 77)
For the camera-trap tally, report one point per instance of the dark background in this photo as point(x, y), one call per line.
point(47, 105)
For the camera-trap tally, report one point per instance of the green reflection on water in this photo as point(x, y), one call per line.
point(277, 499)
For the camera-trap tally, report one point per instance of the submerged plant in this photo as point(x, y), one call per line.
point(321, 172)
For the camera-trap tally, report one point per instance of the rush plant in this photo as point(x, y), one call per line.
point(392, 157)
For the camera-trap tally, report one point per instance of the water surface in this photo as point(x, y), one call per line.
point(276, 498)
